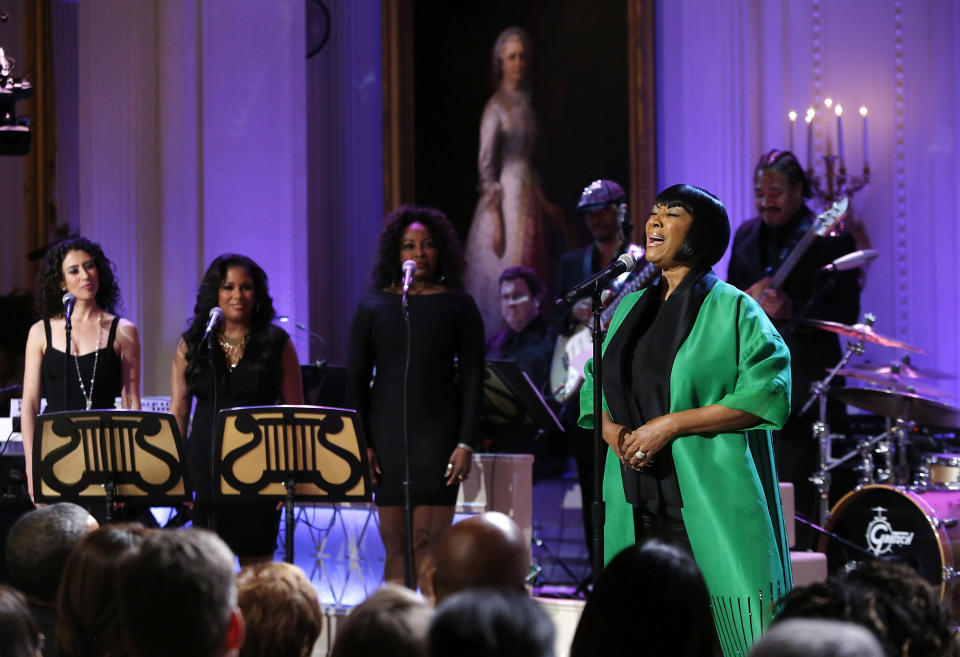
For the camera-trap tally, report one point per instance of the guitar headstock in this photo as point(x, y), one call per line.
point(831, 220)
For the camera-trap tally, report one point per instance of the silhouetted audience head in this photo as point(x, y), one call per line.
point(657, 586)
point(890, 599)
point(19, 634)
point(280, 610)
point(38, 546)
point(808, 637)
point(492, 623)
point(90, 624)
point(486, 550)
point(179, 596)
point(393, 621)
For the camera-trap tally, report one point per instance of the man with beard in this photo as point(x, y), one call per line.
point(759, 247)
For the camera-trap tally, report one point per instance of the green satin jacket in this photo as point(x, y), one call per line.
point(733, 357)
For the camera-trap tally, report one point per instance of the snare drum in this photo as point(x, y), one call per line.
point(940, 471)
point(917, 527)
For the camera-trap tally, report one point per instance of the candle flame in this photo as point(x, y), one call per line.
point(863, 110)
point(792, 116)
point(838, 109)
point(828, 102)
point(810, 114)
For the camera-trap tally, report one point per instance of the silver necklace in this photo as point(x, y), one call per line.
point(96, 357)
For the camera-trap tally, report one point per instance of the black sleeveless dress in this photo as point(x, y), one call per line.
point(249, 528)
point(54, 366)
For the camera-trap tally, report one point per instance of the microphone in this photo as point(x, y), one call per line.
point(216, 316)
point(409, 267)
point(68, 300)
point(621, 265)
point(851, 260)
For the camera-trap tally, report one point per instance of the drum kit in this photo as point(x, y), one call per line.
point(900, 510)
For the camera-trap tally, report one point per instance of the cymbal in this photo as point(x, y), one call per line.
point(862, 331)
point(902, 370)
point(900, 405)
point(891, 381)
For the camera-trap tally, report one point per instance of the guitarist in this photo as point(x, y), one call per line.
point(603, 206)
point(759, 247)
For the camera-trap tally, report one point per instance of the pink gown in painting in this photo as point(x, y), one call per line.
point(507, 180)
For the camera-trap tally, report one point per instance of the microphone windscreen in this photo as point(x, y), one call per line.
point(628, 260)
point(68, 298)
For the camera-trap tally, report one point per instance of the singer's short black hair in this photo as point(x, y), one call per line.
point(260, 348)
point(449, 272)
point(49, 293)
point(709, 233)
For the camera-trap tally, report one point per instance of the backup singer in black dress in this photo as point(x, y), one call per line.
point(255, 364)
point(104, 360)
point(443, 385)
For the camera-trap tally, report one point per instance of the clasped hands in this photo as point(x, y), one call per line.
point(636, 448)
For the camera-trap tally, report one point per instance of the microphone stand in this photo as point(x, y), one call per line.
point(597, 507)
point(210, 513)
point(68, 328)
point(409, 577)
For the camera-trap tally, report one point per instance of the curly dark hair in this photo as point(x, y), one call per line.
point(262, 348)
point(889, 599)
point(50, 277)
point(386, 271)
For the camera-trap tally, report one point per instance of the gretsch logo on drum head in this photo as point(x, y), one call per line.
point(881, 537)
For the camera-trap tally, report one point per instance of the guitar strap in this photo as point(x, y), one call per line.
point(775, 257)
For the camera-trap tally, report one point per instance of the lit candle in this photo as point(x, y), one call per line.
point(809, 119)
point(828, 102)
point(839, 112)
point(866, 154)
point(793, 122)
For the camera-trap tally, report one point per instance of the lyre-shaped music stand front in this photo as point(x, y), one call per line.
point(114, 455)
point(291, 453)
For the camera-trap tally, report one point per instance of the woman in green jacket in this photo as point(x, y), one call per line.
point(694, 378)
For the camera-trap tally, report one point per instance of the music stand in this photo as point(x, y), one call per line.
point(510, 398)
point(116, 455)
point(291, 453)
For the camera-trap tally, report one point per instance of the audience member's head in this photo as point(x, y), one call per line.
point(492, 623)
point(19, 635)
point(38, 546)
point(890, 599)
point(393, 621)
point(655, 584)
point(179, 596)
point(809, 637)
point(90, 624)
point(486, 550)
point(280, 610)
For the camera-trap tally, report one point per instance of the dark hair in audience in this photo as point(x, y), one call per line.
point(89, 603)
point(261, 349)
point(50, 277)
point(449, 271)
point(709, 233)
point(656, 584)
point(38, 546)
point(491, 623)
point(393, 620)
point(19, 634)
point(527, 274)
point(178, 593)
point(890, 599)
point(281, 611)
point(817, 637)
point(786, 163)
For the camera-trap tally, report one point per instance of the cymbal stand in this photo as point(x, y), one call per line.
point(901, 471)
point(821, 430)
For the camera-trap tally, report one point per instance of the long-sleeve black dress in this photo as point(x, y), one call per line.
point(444, 385)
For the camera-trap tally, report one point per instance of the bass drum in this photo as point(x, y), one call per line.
point(916, 527)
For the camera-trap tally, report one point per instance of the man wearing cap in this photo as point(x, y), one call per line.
point(603, 206)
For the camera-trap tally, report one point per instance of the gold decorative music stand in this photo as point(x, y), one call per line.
point(116, 455)
point(291, 453)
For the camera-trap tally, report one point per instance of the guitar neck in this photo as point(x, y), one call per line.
point(631, 285)
point(791, 261)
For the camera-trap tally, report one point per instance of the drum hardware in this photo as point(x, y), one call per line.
point(949, 574)
point(942, 523)
point(863, 332)
point(891, 382)
point(902, 369)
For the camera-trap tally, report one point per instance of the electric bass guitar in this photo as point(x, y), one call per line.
point(823, 224)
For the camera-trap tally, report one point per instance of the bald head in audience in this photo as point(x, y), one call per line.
point(808, 637)
point(486, 550)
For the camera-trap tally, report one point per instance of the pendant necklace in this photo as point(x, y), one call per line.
point(96, 358)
